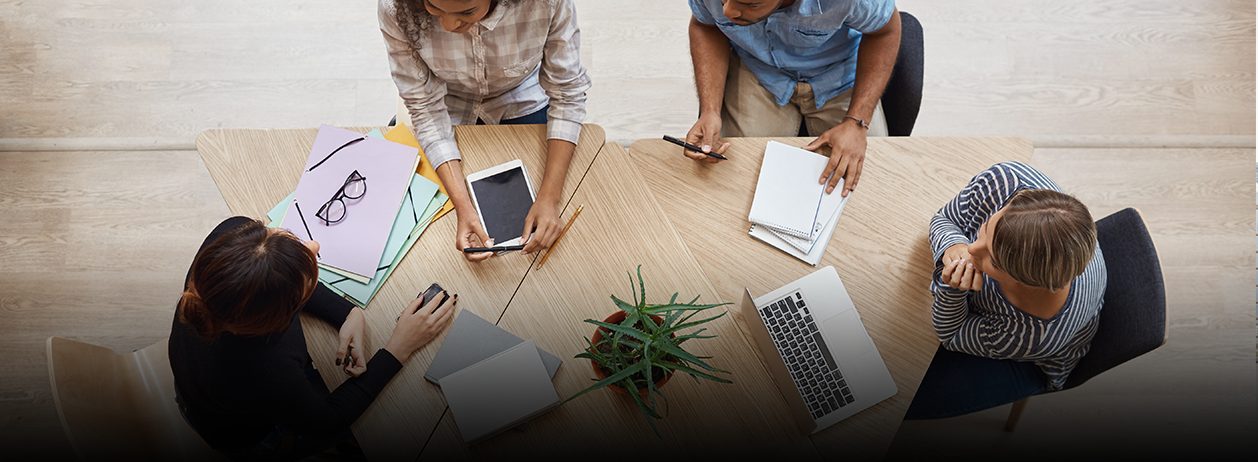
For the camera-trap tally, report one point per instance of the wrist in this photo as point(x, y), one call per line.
point(398, 352)
point(859, 122)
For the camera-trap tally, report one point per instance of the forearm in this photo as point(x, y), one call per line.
point(328, 306)
point(558, 158)
point(709, 52)
point(451, 175)
point(944, 234)
point(875, 60)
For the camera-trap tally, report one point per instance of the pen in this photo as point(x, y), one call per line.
point(561, 233)
point(691, 147)
point(504, 248)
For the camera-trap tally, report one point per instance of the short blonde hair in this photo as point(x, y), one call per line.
point(1044, 239)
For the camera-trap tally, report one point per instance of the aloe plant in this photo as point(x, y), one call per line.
point(649, 342)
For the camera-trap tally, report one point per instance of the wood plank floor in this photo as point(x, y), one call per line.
point(140, 70)
point(94, 243)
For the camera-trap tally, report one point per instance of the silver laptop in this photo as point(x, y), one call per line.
point(817, 350)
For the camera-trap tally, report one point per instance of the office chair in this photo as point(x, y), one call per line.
point(1133, 318)
point(120, 406)
point(902, 98)
point(1132, 323)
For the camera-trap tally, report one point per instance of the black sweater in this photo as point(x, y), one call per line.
point(236, 390)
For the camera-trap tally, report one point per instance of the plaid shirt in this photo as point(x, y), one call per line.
point(521, 57)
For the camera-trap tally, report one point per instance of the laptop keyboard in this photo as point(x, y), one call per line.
point(810, 363)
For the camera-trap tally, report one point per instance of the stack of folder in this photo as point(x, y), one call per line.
point(423, 201)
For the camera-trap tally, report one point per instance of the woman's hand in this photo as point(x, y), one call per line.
point(470, 233)
point(542, 225)
point(353, 333)
point(418, 325)
point(956, 252)
point(961, 274)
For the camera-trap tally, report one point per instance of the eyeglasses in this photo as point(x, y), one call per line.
point(334, 210)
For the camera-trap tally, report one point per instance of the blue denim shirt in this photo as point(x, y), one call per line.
point(813, 41)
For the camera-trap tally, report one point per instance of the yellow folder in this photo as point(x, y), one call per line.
point(402, 134)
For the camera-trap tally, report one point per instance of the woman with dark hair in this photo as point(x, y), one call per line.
point(1018, 276)
point(243, 377)
point(459, 62)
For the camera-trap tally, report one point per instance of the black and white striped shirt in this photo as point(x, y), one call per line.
point(985, 323)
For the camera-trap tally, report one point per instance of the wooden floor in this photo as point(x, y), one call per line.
point(1146, 103)
point(145, 73)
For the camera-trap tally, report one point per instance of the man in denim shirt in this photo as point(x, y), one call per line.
point(822, 63)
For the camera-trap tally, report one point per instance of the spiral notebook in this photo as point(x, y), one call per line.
point(788, 197)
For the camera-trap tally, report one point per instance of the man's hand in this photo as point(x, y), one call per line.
point(470, 233)
point(706, 133)
point(959, 271)
point(542, 225)
point(847, 155)
point(352, 334)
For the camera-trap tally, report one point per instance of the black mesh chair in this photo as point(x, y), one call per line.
point(1132, 320)
point(902, 99)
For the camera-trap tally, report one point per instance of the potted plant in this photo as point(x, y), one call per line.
point(637, 349)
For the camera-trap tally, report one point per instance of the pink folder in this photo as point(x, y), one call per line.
point(356, 243)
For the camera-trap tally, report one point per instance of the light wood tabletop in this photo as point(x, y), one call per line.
point(879, 248)
point(254, 169)
point(622, 227)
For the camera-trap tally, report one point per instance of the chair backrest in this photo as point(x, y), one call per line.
point(120, 406)
point(1133, 317)
point(902, 99)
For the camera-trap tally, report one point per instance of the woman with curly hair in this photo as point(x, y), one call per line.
point(490, 62)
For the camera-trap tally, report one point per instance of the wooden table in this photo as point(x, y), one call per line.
point(685, 223)
point(879, 248)
point(255, 169)
point(622, 227)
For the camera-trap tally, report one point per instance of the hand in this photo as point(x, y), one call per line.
point(470, 233)
point(956, 252)
point(706, 133)
point(847, 155)
point(961, 274)
point(541, 226)
point(350, 354)
point(417, 325)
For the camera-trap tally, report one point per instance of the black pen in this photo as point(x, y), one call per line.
point(504, 248)
point(692, 147)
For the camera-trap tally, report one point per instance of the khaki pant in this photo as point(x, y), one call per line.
point(750, 110)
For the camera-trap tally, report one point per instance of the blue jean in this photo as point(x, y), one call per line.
point(957, 384)
point(538, 117)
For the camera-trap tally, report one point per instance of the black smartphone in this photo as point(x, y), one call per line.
point(431, 292)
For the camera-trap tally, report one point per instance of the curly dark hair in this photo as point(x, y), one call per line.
point(415, 20)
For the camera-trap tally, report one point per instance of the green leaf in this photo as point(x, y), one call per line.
point(684, 355)
point(641, 285)
point(692, 323)
point(625, 330)
point(693, 372)
point(613, 378)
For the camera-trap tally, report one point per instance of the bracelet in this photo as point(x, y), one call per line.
point(861, 122)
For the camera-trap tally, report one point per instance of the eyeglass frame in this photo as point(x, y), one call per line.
point(340, 195)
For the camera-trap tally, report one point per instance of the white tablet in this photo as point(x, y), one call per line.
point(503, 196)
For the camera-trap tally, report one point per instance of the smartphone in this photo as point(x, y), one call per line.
point(432, 291)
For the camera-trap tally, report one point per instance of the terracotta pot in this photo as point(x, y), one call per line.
point(617, 318)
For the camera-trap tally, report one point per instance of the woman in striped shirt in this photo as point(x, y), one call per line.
point(1018, 275)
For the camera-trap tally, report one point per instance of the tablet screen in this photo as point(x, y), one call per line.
point(504, 201)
